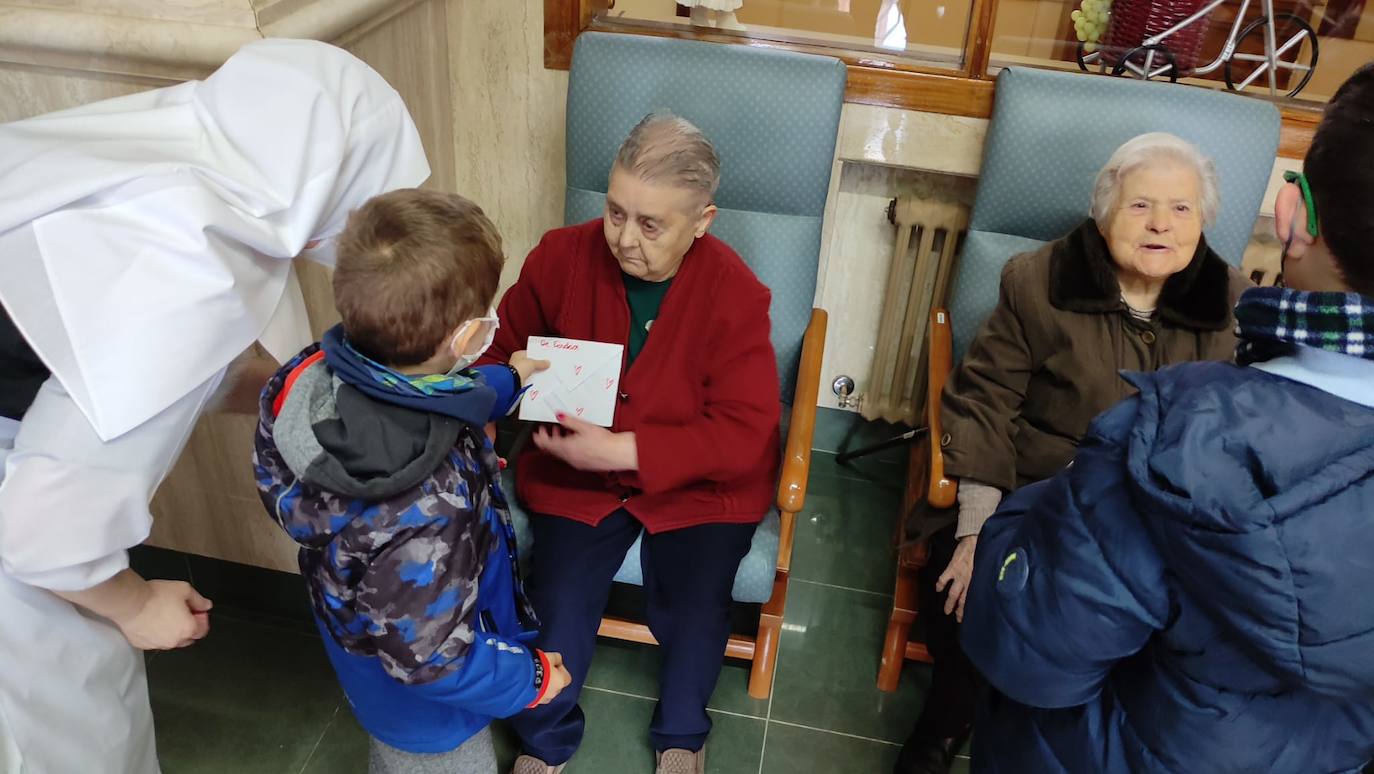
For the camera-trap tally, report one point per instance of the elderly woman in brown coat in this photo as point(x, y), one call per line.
point(1133, 288)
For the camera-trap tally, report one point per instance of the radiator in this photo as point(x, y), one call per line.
point(927, 240)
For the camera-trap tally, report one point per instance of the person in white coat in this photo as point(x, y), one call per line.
point(145, 242)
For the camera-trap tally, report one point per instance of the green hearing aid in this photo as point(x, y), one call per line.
point(1301, 180)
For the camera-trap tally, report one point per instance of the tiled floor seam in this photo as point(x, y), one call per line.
point(852, 478)
point(768, 713)
point(843, 588)
point(319, 741)
point(629, 695)
point(626, 694)
point(836, 733)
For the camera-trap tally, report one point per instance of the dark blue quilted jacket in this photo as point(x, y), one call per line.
point(1195, 593)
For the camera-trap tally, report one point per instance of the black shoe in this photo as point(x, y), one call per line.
point(925, 754)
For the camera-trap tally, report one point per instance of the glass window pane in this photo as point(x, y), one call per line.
point(1185, 39)
point(922, 32)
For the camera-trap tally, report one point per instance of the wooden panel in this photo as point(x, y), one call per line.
point(926, 92)
point(978, 44)
point(411, 53)
point(562, 25)
point(209, 504)
point(172, 43)
point(1340, 58)
point(237, 13)
point(31, 91)
point(317, 288)
point(1295, 135)
point(1046, 39)
point(508, 122)
point(1013, 27)
point(871, 81)
point(564, 20)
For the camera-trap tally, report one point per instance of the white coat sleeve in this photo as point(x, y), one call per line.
point(72, 505)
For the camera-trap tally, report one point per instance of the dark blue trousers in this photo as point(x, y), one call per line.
point(688, 574)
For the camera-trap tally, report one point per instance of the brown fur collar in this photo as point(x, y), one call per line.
point(1083, 279)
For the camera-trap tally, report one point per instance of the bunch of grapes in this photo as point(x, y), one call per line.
point(1090, 21)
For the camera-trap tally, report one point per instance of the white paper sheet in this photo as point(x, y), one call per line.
point(583, 380)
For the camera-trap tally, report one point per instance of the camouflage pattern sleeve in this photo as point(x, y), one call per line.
point(418, 601)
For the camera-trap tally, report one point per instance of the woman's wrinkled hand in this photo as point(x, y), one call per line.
point(957, 575)
point(588, 447)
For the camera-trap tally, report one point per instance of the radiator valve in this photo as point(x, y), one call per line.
point(843, 387)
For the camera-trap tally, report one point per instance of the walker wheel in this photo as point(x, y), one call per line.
point(1085, 60)
point(1237, 71)
point(1159, 58)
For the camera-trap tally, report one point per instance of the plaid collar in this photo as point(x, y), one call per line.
point(427, 385)
point(1273, 321)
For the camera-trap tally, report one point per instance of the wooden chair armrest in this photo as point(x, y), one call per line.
point(942, 491)
point(913, 554)
point(796, 463)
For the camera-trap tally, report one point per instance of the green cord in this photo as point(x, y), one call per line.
point(1301, 180)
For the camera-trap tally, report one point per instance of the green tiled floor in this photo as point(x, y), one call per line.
point(258, 695)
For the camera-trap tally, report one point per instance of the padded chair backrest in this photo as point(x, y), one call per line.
point(1050, 134)
point(773, 117)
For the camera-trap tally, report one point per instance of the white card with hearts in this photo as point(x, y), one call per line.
point(583, 380)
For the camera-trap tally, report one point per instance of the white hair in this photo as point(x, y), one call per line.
point(1147, 149)
point(669, 149)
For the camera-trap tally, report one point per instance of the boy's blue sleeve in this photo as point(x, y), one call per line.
point(496, 678)
point(1066, 582)
point(508, 392)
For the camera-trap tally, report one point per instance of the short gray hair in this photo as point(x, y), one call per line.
point(1147, 149)
point(665, 148)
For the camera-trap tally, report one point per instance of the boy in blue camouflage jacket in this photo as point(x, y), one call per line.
point(370, 453)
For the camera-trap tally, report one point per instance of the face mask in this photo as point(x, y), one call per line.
point(467, 359)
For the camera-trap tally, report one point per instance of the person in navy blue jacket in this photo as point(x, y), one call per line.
point(1193, 593)
point(370, 453)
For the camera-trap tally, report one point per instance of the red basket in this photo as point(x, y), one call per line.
point(1133, 21)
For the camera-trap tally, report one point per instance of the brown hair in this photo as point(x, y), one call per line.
point(412, 266)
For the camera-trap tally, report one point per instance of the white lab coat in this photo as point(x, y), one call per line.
point(145, 243)
point(73, 695)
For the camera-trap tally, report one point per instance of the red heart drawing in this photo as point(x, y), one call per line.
point(579, 412)
point(577, 370)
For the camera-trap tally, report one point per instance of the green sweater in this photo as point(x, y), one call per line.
point(645, 298)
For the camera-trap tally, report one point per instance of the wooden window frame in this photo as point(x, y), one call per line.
point(963, 91)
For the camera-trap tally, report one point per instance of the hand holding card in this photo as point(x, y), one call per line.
point(582, 381)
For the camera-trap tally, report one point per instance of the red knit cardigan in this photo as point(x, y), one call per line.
point(702, 397)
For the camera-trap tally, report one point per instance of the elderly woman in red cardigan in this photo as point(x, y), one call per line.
point(691, 459)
